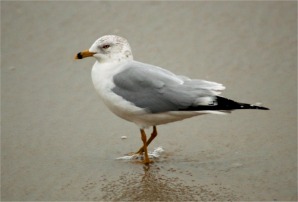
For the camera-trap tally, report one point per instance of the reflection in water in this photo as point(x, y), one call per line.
point(153, 186)
point(149, 186)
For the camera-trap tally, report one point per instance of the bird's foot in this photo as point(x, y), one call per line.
point(139, 156)
point(147, 162)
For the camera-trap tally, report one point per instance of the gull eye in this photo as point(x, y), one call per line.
point(105, 46)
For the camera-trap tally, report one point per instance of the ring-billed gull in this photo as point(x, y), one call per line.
point(148, 95)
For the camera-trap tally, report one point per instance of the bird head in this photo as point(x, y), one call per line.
point(108, 48)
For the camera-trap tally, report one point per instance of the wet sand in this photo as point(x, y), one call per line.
point(59, 142)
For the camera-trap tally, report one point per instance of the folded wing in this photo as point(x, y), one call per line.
point(158, 90)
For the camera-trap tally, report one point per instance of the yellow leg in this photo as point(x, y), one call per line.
point(144, 139)
point(153, 135)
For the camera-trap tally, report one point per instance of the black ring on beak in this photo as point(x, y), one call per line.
point(79, 55)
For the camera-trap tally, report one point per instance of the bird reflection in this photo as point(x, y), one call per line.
point(149, 186)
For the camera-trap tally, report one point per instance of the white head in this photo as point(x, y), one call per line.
point(108, 48)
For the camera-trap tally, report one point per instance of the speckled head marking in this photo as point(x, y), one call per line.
point(111, 47)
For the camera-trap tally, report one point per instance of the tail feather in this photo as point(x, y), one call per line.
point(222, 103)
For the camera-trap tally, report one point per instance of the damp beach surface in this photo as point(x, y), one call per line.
point(59, 141)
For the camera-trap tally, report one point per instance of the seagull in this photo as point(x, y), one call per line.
point(149, 95)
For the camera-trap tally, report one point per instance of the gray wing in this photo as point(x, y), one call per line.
point(158, 90)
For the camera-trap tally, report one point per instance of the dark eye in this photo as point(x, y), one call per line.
point(105, 46)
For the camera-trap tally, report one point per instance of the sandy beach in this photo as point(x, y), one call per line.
point(60, 143)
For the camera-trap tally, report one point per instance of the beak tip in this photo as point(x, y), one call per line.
point(84, 54)
point(78, 56)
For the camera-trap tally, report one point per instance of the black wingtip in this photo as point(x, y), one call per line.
point(258, 107)
point(224, 104)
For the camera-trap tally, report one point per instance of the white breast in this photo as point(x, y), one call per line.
point(102, 77)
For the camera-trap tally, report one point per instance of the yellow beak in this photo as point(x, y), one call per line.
point(84, 54)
